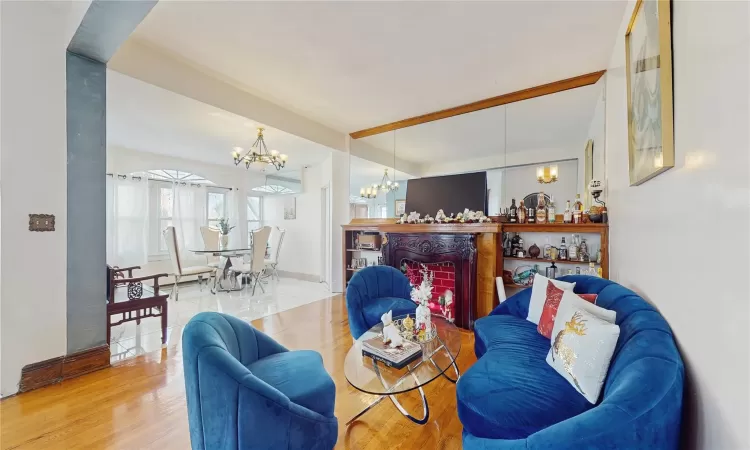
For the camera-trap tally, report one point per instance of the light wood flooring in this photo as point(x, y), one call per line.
point(140, 403)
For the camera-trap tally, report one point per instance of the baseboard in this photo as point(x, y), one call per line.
point(300, 276)
point(55, 370)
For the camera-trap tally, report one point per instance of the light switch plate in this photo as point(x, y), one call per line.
point(41, 222)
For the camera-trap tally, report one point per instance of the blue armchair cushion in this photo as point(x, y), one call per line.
point(300, 376)
point(512, 392)
point(374, 291)
point(400, 306)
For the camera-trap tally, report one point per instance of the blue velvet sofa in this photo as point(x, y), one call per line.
point(372, 292)
point(246, 391)
point(511, 399)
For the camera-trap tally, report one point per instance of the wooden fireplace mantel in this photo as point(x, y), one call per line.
point(489, 247)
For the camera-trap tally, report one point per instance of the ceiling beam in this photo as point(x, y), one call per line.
point(525, 94)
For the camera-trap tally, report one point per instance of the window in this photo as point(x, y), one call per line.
point(273, 189)
point(175, 176)
point(217, 207)
point(254, 215)
point(166, 203)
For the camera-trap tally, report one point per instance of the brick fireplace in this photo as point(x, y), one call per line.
point(453, 260)
point(444, 282)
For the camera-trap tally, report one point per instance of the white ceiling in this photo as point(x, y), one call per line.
point(559, 120)
point(353, 65)
point(144, 117)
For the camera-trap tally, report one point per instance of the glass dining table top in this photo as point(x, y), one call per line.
point(372, 377)
point(224, 251)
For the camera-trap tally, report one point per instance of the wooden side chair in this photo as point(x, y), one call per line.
point(133, 299)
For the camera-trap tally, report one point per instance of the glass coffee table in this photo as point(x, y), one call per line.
point(373, 377)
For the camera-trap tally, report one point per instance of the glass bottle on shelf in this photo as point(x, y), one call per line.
point(592, 271)
point(506, 245)
point(578, 210)
point(531, 215)
point(599, 272)
point(562, 254)
point(520, 251)
point(573, 249)
point(599, 256)
point(513, 211)
point(583, 250)
point(521, 212)
point(551, 210)
point(547, 249)
point(541, 209)
point(568, 214)
point(514, 244)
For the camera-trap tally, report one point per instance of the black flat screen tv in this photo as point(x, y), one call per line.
point(451, 193)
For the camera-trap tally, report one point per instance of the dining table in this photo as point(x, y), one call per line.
point(225, 279)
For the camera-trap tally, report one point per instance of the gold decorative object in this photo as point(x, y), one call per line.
point(408, 323)
point(576, 325)
point(648, 63)
point(546, 174)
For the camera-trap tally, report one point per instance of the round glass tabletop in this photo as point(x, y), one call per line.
point(376, 378)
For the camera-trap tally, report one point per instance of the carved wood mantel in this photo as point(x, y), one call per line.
point(458, 249)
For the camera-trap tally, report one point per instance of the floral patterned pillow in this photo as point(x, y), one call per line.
point(551, 304)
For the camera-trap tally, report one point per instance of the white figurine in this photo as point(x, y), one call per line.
point(440, 216)
point(391, 335)
point(446, 308)
point(413, 217)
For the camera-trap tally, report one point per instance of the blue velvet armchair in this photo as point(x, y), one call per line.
point(512, 399)
point(246, 391)
point(372, 292)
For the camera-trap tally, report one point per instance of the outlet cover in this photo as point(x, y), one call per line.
point(41, 222)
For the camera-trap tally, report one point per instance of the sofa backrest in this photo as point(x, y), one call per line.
point(645, 343)
point(377, 282)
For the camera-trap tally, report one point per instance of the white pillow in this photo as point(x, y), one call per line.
point(582, 347)
point(572, 302)
point(539, 296)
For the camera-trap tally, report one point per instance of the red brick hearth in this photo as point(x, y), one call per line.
point(445, 280)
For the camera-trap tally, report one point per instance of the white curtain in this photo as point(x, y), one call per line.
point(233, 216)
point(188, 216)
point(127, 221)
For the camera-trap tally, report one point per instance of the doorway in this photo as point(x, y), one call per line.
point(325, 235)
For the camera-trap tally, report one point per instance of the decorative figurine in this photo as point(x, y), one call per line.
point(391, 335)
point(408, 323)
point(446, 303)
point(422, 295)
point(413, 217)
point(440, 216)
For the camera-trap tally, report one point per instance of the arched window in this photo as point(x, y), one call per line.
point(176, 176)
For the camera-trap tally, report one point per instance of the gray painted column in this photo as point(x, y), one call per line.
point(87, 164)
point(105, 26)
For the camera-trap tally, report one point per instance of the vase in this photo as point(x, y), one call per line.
point(423, 317)
point(223, 241)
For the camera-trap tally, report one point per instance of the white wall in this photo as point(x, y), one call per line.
point(521, 181)
point(682, 239)
point(33, 320)
point(300, 251)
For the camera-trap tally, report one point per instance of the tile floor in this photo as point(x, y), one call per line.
point(130, 340)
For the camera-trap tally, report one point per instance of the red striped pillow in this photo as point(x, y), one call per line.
point(549, 312)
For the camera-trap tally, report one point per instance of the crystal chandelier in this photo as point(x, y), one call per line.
point(386, 185)
point(259, 155)
point(546, 174)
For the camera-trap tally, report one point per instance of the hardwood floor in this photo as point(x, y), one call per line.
point(140, 403)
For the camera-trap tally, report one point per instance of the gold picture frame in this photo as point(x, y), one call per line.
point(648, 66)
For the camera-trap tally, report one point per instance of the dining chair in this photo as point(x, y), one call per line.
point(277, 237)
point(210, 238)
point(257, 265)
point(170, 237)
point(132, 299)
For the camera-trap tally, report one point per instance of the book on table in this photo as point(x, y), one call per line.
point(397, 357)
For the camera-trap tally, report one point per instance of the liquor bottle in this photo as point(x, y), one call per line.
point(521, 212)
point(514, 244)
point(592, 271)
point(599, 272)
point(573, 249)
point(563, 251)
point(599, 256)
point(583, 250)
point(578, 210)
point(568, 214)
point(547, 248)
point(551, 210)
point(520, 251)
point(531, 215)
point(541, 209)
point(513, 211)
point(506, 244)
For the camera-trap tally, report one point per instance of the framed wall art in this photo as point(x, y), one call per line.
point(290, 208)
point(400, 208)
point(648, 64)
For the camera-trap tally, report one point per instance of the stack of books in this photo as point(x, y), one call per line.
point(397, 357)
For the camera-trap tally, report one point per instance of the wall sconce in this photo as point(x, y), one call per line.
point(546, 174)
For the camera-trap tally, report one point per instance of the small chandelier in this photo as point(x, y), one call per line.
point(386, 185)
point(368, 192)
point(259, 155)
point(546, 174)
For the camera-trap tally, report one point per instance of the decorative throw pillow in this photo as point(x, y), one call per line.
point(582, 347)
point(539, 295)
point(554, 296)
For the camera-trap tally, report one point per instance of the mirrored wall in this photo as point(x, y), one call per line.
point(552, 144)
